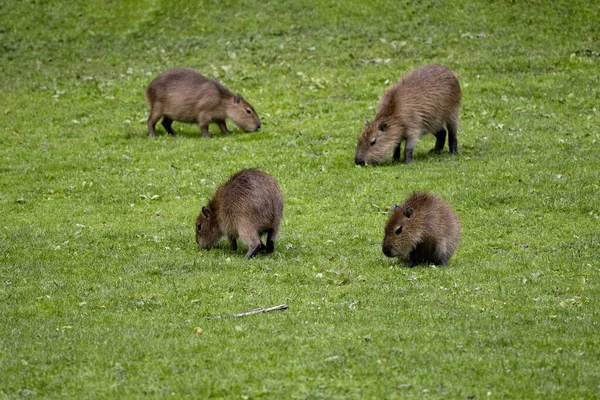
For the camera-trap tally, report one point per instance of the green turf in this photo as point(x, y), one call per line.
point(102, 286)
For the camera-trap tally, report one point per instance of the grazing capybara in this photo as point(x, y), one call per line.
point(184, 95)
point(425, 100)
point(247, 206)
point(423, 230)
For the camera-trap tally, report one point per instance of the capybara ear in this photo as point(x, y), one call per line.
point(237, 98)
point(408, 212)
point(367, 122)
point(383, 126)
point(206, 212)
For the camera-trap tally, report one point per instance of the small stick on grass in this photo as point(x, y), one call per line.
point(253, 311)
point(261, 310)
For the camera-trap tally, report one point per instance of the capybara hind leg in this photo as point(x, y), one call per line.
point(232, 243)
point(254, 249)
point(252, 239)
point(408, 150)
point(441, 255)
point(223, 126)
point(452, 137)
point(271, 235)
point(167, 122)
point(440, 140)
point(152, 120)
point(204, 130)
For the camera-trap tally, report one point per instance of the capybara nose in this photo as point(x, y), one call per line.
point(387, 251)
point(258, 126)
point(358, 161)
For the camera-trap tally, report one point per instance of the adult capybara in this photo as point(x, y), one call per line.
point(247, 206)
point(425, 100)
point(423, 230)
point(184, 95)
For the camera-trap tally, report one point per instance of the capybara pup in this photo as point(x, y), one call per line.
point(423, 230)
point(184, 95)
point(425, 100)
point(247, 206)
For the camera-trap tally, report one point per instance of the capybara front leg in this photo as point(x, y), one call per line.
point(440, 140)
point(167, 122)
point(453, 136)
point(396, 156)
point(223, 127)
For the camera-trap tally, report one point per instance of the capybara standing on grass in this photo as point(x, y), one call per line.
point(423, 230)
point(184, 95)
point(425, 100)
point(247, 206)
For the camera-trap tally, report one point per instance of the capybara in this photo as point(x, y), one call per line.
point(425, 100)
point(184, 95)
point(247, 206)
point(423, 230)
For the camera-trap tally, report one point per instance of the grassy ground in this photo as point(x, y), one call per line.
point(102, 287)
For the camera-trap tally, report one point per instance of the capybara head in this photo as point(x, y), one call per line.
point(403, 232)
point(243, 114)
point(207, 228)
point(375, 144)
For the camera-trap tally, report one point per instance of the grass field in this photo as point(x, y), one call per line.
point(104, 294)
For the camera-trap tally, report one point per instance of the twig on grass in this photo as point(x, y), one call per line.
point(252, 312)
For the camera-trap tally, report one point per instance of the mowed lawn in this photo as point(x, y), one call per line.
point(104, 293)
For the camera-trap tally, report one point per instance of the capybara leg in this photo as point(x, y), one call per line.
point(412, 259)
point(254, 249)
point(223, 126)
point(441, 255)
point(440, 140)
point(251, 238)
point(232, 243)
point(271, 235)
point(452, 137)
point(167, 122)
point(396, 156)
point(204, 130)
point(408, 150)
point(152, 120)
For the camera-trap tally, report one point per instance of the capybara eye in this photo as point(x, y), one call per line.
point(249, 111)
point(198, 227)
point(373, 142)
point(399, 230)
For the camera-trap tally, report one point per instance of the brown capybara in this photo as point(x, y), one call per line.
point(247, 206)
point(423, 230)
point(425, 100)
point(184, 95)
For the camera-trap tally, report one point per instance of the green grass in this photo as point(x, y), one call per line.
point(102, 285)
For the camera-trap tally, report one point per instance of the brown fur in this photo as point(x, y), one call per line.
point(425, 100)
point(247, 206)
point(424, 229)
point(184, 95)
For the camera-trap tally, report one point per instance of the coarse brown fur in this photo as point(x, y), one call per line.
point(246, 206)
point(184, 95)
point(424, 229)
point(425, 100)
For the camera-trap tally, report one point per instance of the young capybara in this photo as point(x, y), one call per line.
point(247, 206)
point(184, 95)
point(423, 230)
point(425, 100)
